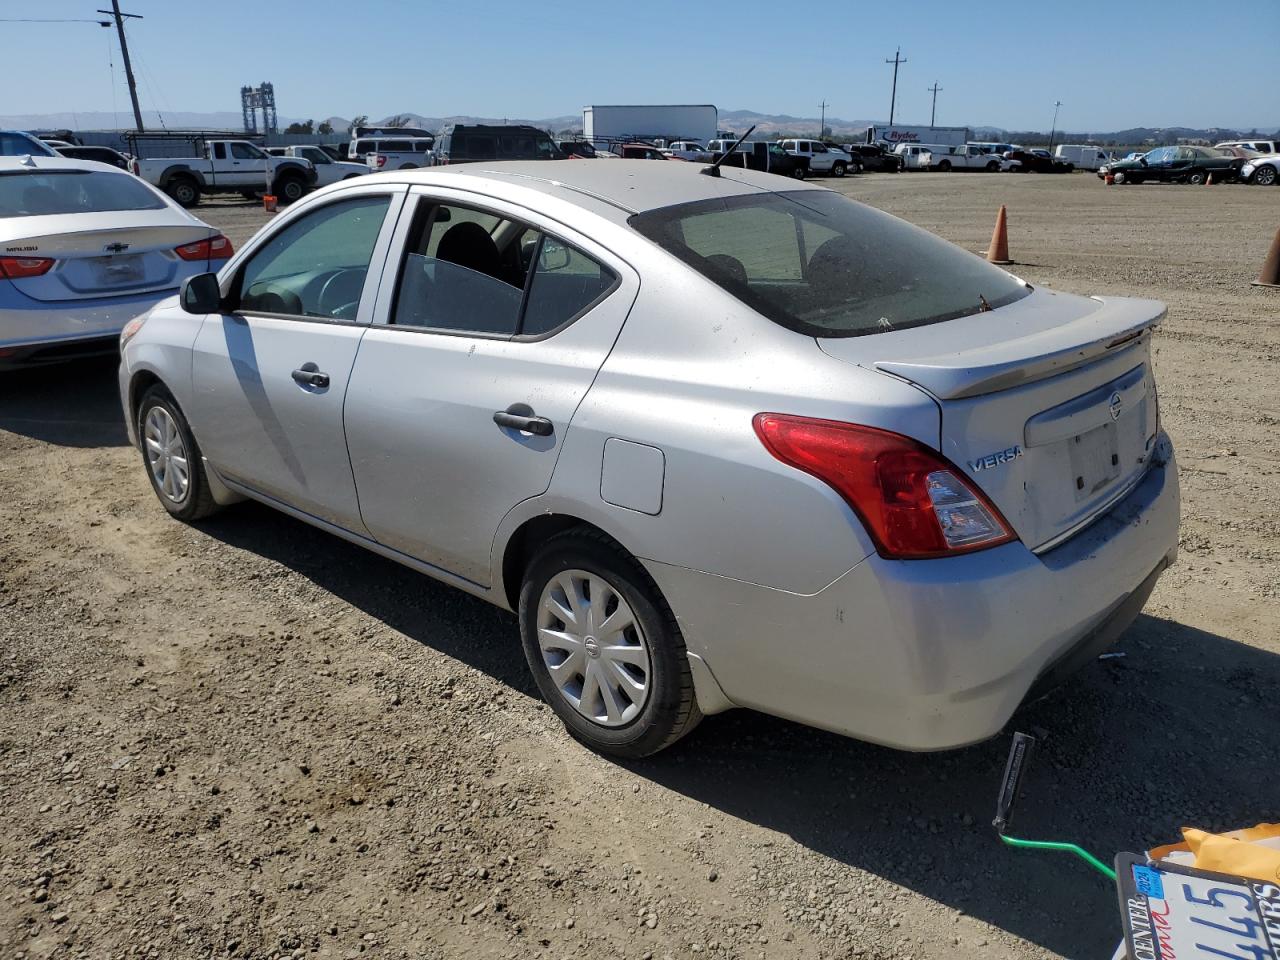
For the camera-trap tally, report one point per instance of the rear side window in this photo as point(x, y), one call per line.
point(38, 193)
point(825, 266)
point(468, 271)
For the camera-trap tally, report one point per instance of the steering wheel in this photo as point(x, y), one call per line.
point(340, 294)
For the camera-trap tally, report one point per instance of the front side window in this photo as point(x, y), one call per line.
point(42, 192)
point(316, 156)
point(819, 148)
point(246, 151)
point(469, 271)
point(825, 266)
point(316, 266)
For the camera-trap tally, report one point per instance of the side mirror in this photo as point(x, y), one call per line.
point(200, 294)
point(553, 258)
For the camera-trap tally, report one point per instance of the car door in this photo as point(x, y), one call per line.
point(326, 172)
point(491, 325)
point(270, 373)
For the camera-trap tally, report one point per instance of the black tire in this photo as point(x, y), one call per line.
point(1264, 176)
point(1196, 177)
point(290, 188)
point(993, 167)
point(797, 172)
point(184, 191)
point(671, 710)
point(945, 166)
point(408, 166)
point(837, 169)
point(197, 501)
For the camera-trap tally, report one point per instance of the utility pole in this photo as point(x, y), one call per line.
point(1054, 128)
point(822, 124)
point(124, 52)
point(893, 97)
point(934, 112)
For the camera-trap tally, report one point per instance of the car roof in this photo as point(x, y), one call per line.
point(36, 162)
point(627, 186)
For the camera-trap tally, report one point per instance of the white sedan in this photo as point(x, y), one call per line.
point(84, 248)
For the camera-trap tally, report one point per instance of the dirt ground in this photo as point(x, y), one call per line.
point(247, 738)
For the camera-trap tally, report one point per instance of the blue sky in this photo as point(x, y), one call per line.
point(1183, 63)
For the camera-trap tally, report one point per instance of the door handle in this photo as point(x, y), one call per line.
point(309, 375)
point(519, 416)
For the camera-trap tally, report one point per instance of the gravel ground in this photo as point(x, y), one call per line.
point(249, 739)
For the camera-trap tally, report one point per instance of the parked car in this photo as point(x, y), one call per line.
point(1254, 146)
point(15, 143)
point(762, 156)
point(578, 149)
point(84, 248)
point(328, 170)
point(1175, 165)
point(371, 131)
point(1082, 155)
point(467, 143)
point(823, 158)
point(915, 156)
point(100, 155)
point(642, 151)
point(1031, 161)
point(874, 157)
point(947, 520)
point(228, 166)
point(967, 156)
point(404, 153)
point(1264, 171)
point(688, 150)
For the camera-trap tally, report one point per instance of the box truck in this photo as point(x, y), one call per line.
point(951, 136)
point(667, 122)
point(1084, 156)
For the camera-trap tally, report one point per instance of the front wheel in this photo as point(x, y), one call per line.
point(993, 167)
point(837, 169)
point(945, 166)
point(290, 188)
point(172, 457)
point(1196, 177)
point(184, 191)
point(604, 649)
point(1264, 176)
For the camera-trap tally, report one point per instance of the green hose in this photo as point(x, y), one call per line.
point(1080, 852)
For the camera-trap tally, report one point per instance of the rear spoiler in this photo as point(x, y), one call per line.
point(1118, 322)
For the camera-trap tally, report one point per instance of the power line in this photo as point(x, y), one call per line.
point(101, 23)
point(893, 97)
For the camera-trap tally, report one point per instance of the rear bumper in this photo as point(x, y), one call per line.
point(932, 654)
point(59, 329)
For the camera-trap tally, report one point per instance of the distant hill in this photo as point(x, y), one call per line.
point(768, 126)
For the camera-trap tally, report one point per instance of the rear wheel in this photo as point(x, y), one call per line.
point(945, 166)
point(837, 169)
point(1196, 177)
point(408, 166)
point(172, 457)
point(604, 649)
point(1264, 176)
point(798, 173)
point(993, 167)
point(184, 191)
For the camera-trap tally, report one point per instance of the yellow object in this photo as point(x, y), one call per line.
point(1253, 852)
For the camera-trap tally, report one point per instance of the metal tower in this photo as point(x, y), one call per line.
point(252, 99)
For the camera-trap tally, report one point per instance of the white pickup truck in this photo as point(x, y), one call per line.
point(328, 170)
point(968, 156)
point(228, 166)
point(688, 150)
point(824, 158)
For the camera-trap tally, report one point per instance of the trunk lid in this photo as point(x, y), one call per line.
point(134, 255)
point(1048, 405)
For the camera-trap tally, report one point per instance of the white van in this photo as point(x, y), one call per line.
point(1084, 156)
point(916, 156)
point(1257, 146)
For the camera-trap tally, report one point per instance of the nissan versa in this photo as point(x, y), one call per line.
point(717, 440)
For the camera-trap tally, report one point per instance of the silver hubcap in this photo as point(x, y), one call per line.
point(166, 454)
point(594, 648)
point(1266, 176)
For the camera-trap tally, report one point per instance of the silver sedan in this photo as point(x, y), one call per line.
point(717, 440)
point(84, 248)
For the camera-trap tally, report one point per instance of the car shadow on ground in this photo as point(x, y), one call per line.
point(1175, 732)
point(73, 404)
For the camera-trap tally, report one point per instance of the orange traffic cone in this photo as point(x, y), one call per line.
point(998, 252)
point(1270, 275)
point(1208, 181)
point(269, 203)
point(1109, 179)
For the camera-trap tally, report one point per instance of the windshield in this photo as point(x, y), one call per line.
point(822, 265)
point(44, 192)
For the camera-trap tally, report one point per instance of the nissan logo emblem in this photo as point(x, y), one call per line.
point(1116, 406)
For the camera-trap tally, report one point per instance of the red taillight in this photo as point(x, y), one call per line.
point(379, 161)
point(214, 248)
point(18, 268)
point(913, 503)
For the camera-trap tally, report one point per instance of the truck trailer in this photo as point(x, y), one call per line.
point(951, 136)
point(667, 122)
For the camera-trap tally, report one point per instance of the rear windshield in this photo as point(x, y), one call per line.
point(39, 193)
point(820, 264)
